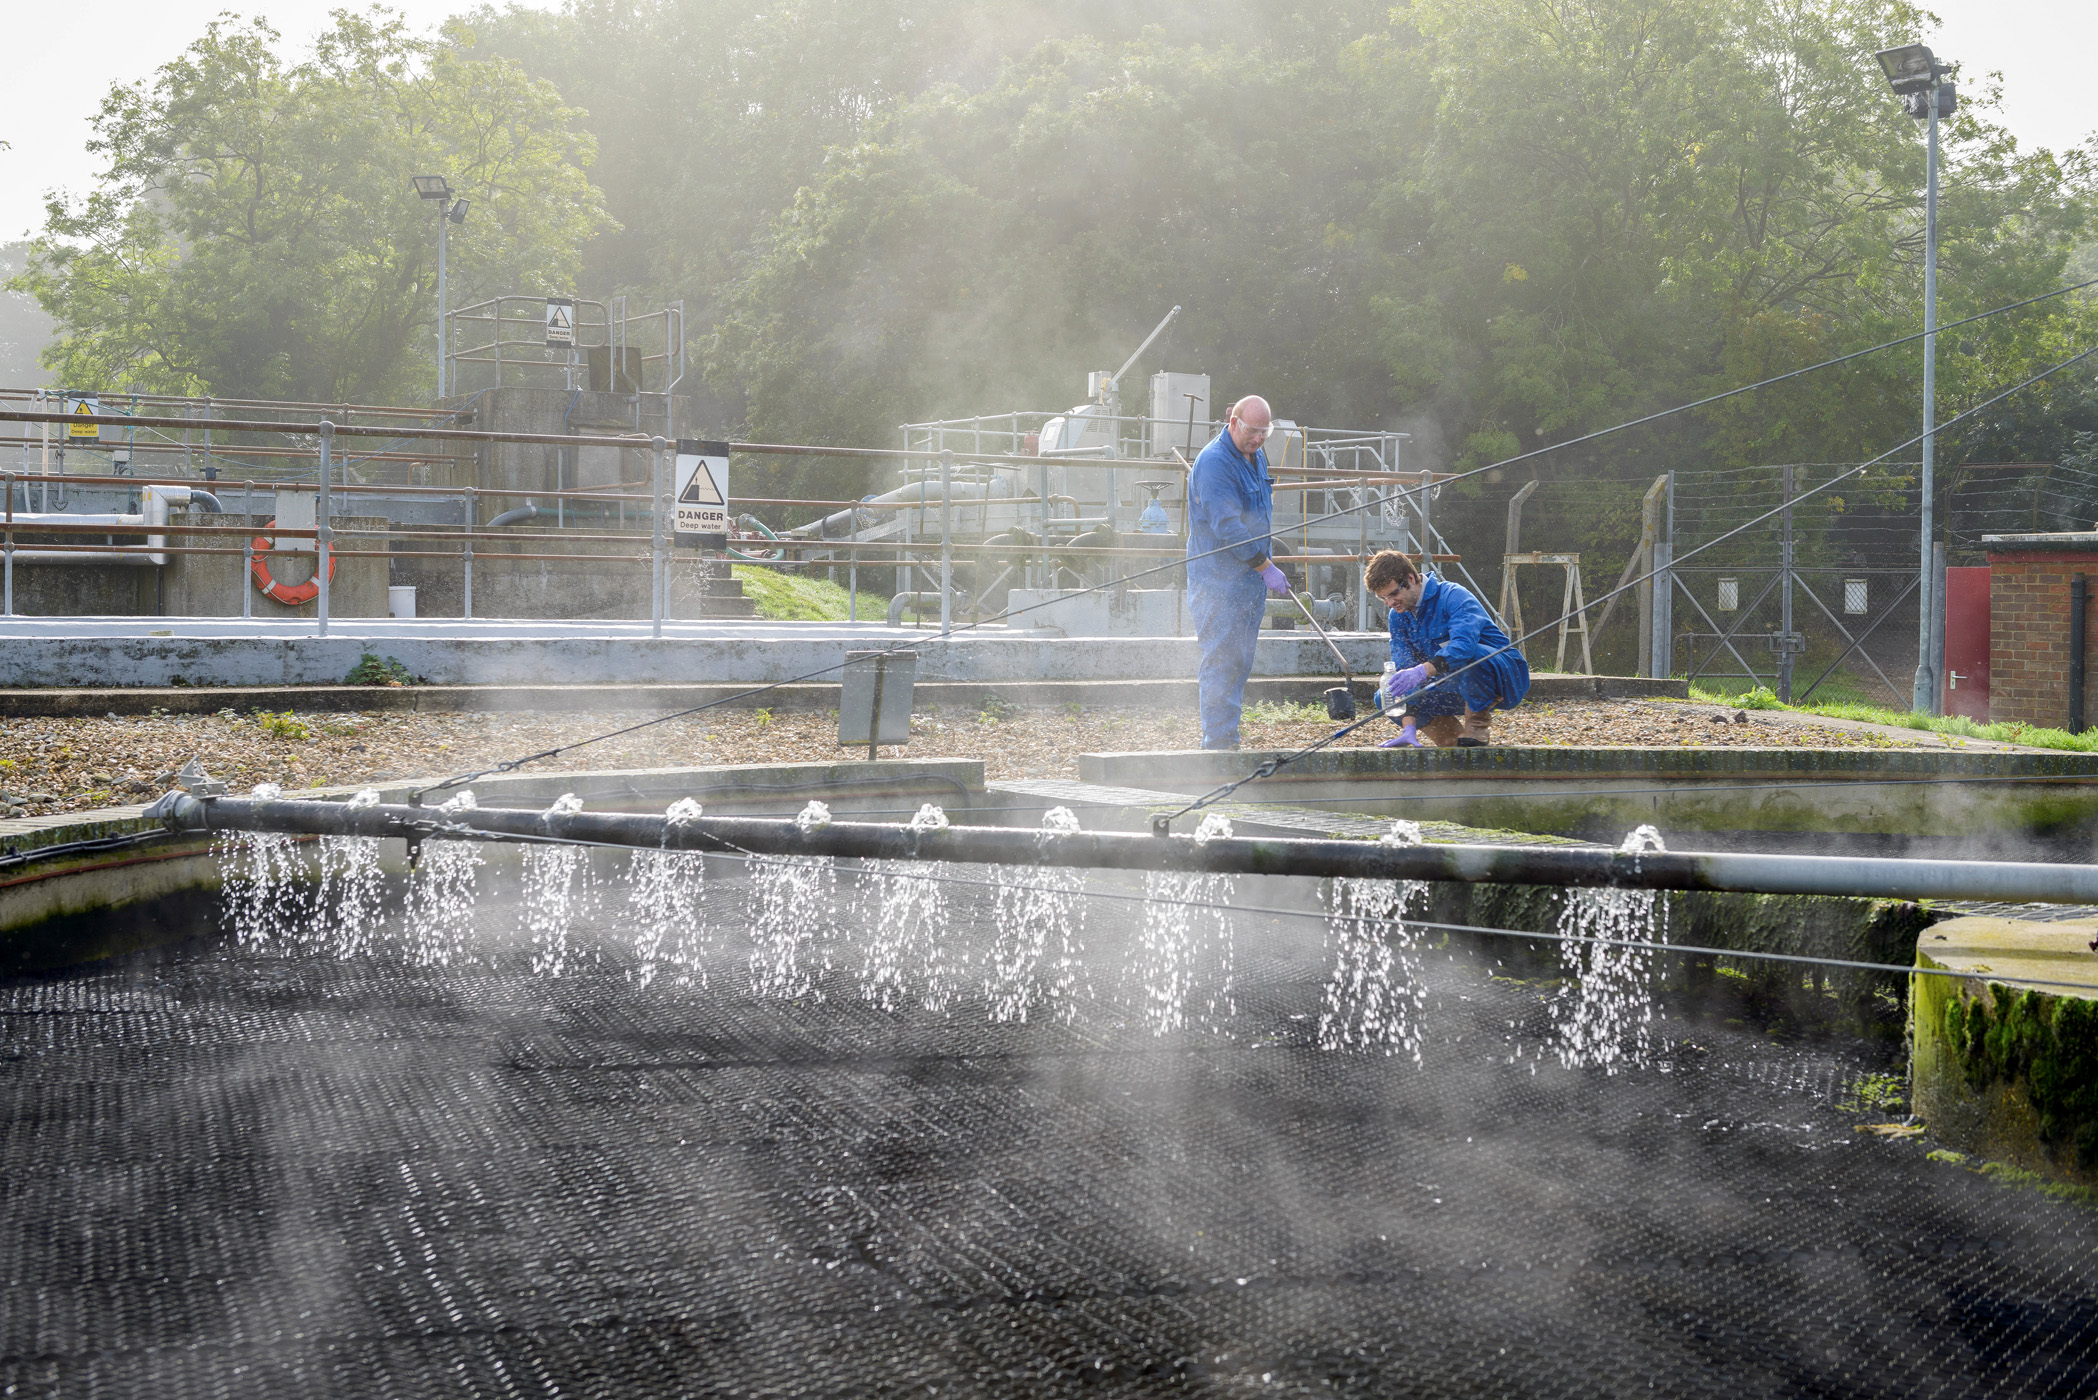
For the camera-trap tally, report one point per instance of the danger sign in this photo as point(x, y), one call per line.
point(560, 321)
point(700, 502)
point(83, 405)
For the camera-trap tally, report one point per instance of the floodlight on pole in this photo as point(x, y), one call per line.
point(1925, 86)
point(449, 211)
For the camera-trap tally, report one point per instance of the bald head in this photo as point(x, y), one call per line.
point(1250, 422)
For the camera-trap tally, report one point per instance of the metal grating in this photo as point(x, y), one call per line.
point(230, 1174)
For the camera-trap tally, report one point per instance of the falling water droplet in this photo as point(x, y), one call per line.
point(1038, 959)
point(1604, 1011)
point(666, 890)
point(440, 905)
point(1374, 996)
point(556, 892)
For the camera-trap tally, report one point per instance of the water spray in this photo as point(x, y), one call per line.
point(1577, 866)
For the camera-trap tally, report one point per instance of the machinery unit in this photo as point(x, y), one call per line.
point(1104, 480)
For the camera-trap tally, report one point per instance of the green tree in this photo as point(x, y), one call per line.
point(254, 233)
point(977, 251)
point(1630, 203)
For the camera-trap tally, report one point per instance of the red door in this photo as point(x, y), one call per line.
point(1965, 687)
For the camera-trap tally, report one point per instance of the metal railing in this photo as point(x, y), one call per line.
point(586, 516)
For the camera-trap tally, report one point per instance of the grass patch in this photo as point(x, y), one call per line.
point(785, 597)
point(1283, 712)
point(1957, 725)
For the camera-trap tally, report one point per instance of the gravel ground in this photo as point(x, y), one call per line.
point(59, 765)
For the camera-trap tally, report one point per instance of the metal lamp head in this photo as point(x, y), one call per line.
point(1909, 68)
point(431, 186)
point(457, 213)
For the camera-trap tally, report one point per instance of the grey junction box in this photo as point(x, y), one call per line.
point(877, 682)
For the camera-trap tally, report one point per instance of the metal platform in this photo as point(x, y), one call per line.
point(231, 1174)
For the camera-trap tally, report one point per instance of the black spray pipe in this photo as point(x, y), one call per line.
point(1370, 860)
point(2079, 603)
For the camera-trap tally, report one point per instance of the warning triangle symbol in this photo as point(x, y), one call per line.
point(700, 490)
point(557, 318)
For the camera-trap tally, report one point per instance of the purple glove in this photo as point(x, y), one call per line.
point(1407, 737)
point(1276, 581)
point(1404, 683)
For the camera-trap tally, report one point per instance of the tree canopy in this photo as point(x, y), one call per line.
point(255, 234)
point(1497, 224)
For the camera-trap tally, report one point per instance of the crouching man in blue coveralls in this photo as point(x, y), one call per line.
point(1439, 628)
point(1230, 508)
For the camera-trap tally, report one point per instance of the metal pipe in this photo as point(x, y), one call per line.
point(946, 546)
point(324, 535)
point(918, 602)
point(1924, 699)
point(1937, 622)
point(1584, 866)
point(2079, 603)
point(655, 550)
point(527, 511)
point(1784, 626)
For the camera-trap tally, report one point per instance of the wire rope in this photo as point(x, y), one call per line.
point(1360, 507)
point(746, 858)
point(1272, 766)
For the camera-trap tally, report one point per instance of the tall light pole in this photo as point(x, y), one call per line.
point(1926, 90)
point(449, 211)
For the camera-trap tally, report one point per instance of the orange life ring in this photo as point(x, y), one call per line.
point(291, 596)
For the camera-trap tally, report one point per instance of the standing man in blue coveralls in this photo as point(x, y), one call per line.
point(1438, 628)
point(1230, 508)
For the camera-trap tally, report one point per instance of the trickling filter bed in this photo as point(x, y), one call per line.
point(567, 1121)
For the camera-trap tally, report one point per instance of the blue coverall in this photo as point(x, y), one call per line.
point(1230, 506)
point(1449, 625)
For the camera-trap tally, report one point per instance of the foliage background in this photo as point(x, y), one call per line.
point(1495, 224)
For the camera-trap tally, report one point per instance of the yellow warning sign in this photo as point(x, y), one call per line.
point(87, 407)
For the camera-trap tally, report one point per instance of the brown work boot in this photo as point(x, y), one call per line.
point(1476, 730)
point(1443, 731)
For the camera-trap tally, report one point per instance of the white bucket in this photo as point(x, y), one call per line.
point(400, 601)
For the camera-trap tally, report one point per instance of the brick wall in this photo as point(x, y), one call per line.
point(2029, 636)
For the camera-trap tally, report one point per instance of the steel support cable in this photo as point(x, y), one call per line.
point(1377, 504)
point(1269, 768)
point(1364, 506)
point(1851, 964)
point(1043, 804)
point(887, 453)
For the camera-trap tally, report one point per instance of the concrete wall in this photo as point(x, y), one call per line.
point(210, 585)
point(2029, 630)
point(202, 653)
point(90, 590)
point(2000, 1070)
point(553, 588)
point(1603, 793)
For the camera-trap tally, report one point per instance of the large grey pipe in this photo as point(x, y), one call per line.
point(515, 516)
point(1370, 860)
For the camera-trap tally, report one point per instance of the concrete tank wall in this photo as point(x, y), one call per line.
point(586, 588)
point(210, 585)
